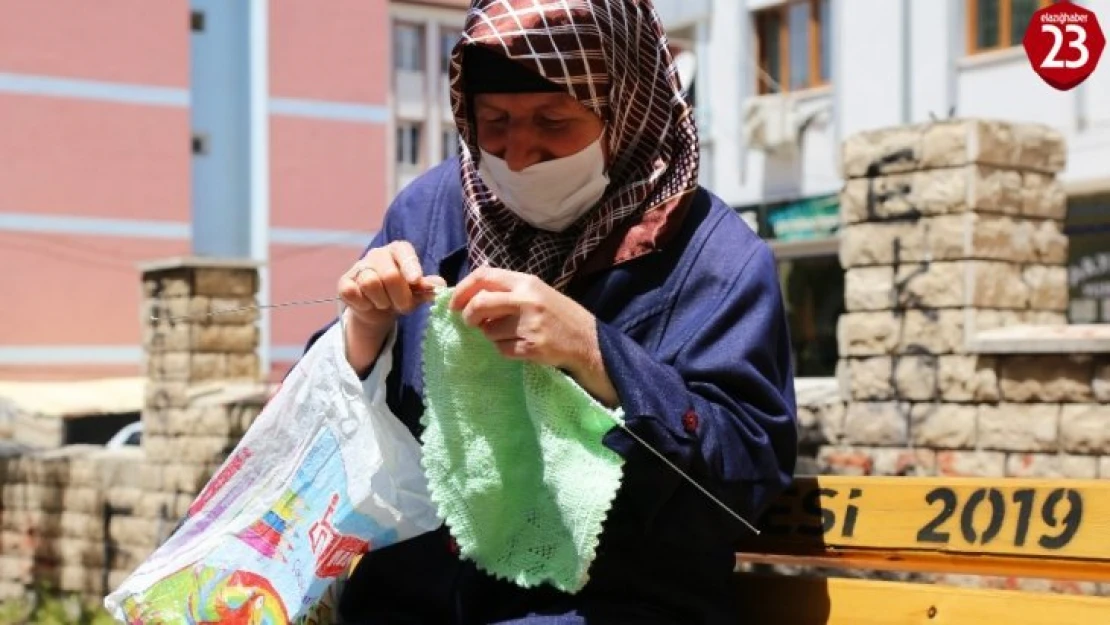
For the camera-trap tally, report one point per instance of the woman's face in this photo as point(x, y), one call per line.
point(524, 129)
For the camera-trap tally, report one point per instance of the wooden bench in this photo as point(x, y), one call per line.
point(1015, 528)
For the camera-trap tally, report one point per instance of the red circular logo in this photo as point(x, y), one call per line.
point(1064, 43)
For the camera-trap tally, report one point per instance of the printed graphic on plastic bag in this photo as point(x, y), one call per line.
point(325, 474)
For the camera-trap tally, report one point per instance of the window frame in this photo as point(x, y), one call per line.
point(445, 31)
point(422, 44)
point(1005, 23)
point(813, 33)
point(418, 148)
point(449, 146)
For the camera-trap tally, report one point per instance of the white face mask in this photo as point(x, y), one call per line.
point(551, 195)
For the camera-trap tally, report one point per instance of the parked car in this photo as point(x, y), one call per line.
point(129, 435)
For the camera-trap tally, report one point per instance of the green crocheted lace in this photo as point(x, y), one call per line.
point(514, 458)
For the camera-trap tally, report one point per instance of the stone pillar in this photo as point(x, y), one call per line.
point(949, 229)
point(204, 385)
point(199, 348)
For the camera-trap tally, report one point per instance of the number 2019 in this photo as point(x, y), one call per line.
point(1061, 508)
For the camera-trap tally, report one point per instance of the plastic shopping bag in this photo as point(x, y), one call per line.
point(326, 610)
point(325, 474)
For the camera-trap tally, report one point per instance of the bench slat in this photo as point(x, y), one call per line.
point(926, 562)
point(780, 600)
point(1050, 522)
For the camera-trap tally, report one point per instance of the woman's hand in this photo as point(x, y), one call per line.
point(529, 320)
point(386, 283)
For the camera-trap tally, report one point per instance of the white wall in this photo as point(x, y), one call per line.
point(933, 46)
point(868, 45)
point(884, 76)
point(1096, 90)
point(720, 88)
point(685, 12)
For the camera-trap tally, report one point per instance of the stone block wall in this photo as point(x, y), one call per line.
point(80, 519)
point(951, 232)
point(193, 357)
point(955, 354)
point(53, 530)
point(184, 343)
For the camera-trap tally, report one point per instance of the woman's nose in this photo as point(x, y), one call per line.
point(521, 150)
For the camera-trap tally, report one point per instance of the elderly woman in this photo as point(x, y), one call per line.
point(576, 235)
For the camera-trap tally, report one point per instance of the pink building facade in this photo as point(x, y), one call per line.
point(115, 149)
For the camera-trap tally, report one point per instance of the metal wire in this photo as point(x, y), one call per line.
point(226, 311)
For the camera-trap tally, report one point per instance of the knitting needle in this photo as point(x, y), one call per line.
point(307, 302)
point(689, 479)
point(436, 289)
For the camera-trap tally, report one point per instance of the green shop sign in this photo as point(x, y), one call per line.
point(811, 218)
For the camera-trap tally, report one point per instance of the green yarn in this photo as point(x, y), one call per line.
point(514, 458)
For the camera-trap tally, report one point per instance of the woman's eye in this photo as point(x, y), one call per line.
point(553, 123)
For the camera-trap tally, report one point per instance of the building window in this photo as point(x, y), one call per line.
point(1088, 230)
point(794, 46)
point(408, 47)
point(448, 37)
point(999, 24)
point(408, 144)
point(450, 143)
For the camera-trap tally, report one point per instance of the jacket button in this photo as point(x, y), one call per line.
point(690, 422)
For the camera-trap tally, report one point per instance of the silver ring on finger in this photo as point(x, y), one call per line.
point(358, 284)
point(358, 272)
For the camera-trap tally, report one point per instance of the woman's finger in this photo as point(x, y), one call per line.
point(431, 283)
point(488, 306)
point(352, 296)
point(396, 287)
point(517, 348)
point(483, 279)
point(503, 329)
point(424, 291)
point(404, 256)
point(370, 285)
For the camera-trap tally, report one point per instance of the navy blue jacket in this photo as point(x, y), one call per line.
point(694, 338)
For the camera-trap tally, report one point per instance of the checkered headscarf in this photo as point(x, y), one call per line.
point(612, 56)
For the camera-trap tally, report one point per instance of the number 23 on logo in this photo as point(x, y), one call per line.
point(1064, 43)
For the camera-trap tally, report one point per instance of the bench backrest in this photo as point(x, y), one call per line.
point(1016, 528)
